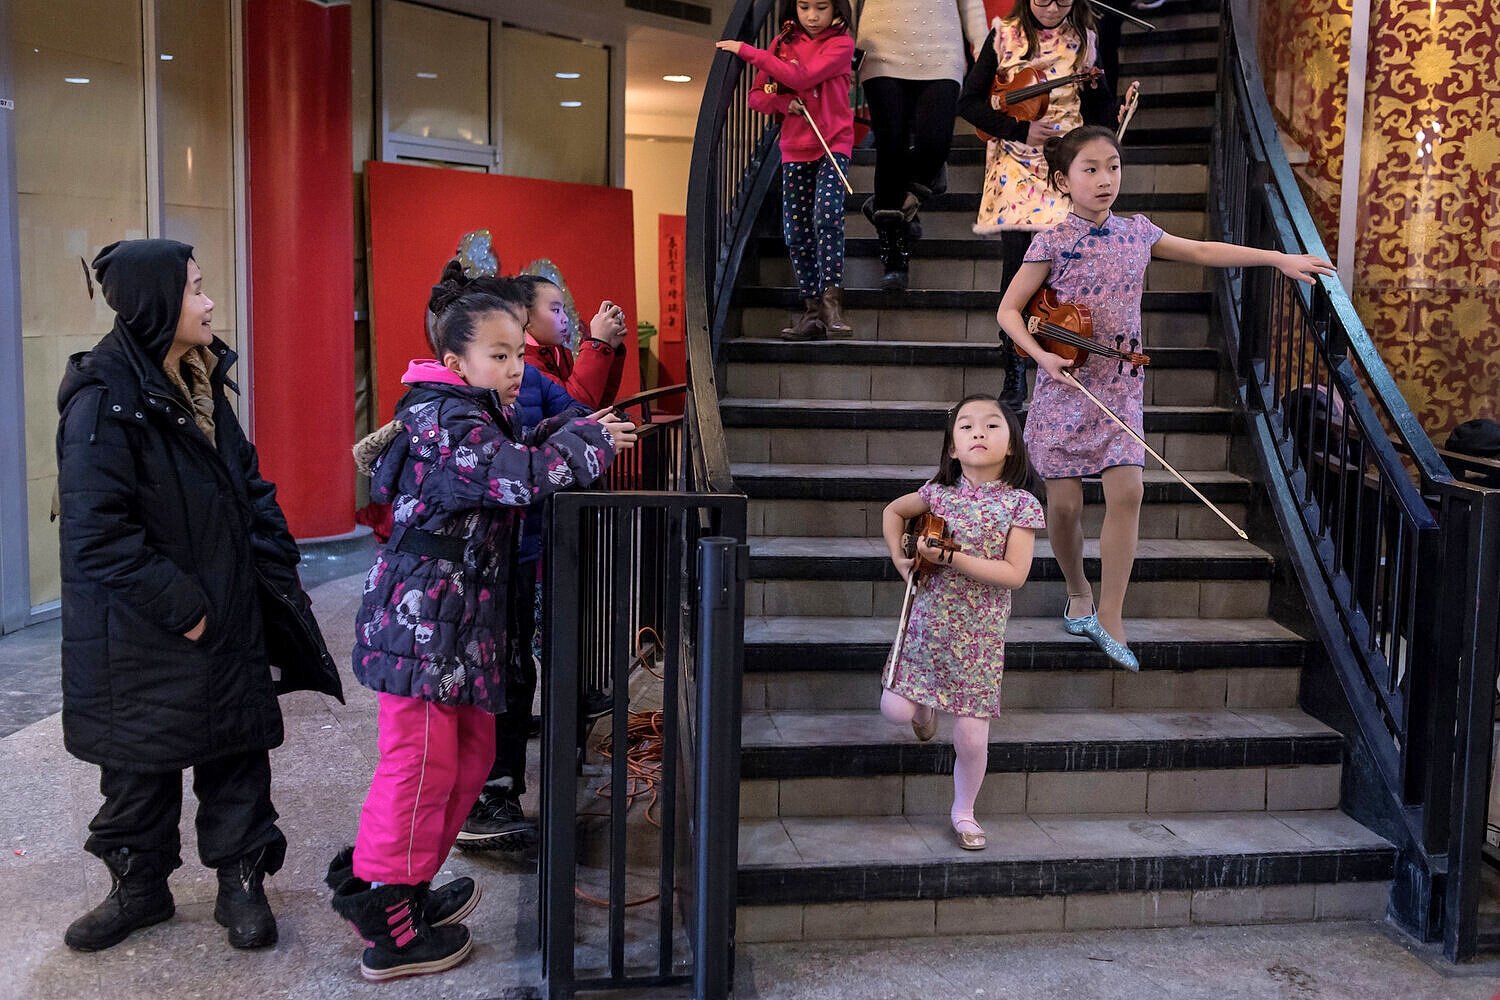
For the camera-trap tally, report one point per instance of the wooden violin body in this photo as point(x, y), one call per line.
point(1027, 95)
point(935, 530)
point(1067, 330)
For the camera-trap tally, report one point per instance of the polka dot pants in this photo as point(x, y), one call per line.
point(812, 222)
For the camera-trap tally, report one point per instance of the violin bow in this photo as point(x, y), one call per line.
point(1132, 101)
point(1152, 451)
point(807, 113)
point(1138, 21)
point(888, 675)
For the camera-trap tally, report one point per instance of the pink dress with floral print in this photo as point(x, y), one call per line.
point(955, 639)
point(1103, 268)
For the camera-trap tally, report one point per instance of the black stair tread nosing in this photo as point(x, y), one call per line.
point(948, 298)
point(1138, 151)
point(843, 744)
point(1172, 66)
point(867, 415)
point(792, 558)
point(863, 482)
point(750, 350)
point(771, 631)
point(1169, 36)
point(968, 202)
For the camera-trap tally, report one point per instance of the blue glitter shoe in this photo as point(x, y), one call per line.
point(1117, 651)
point(1077, 626)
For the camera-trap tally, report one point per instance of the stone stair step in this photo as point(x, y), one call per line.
point(824, 481)
point(847, 744)
point(1143, 147)
point(968, 202)
point(807, 644)
point(1177, 598)
point(954, 224)
point(763, 350)
point(1168, 326)
point(948, 298)
point(789, 557)
point(816, 860)
point(1179, 19)
point(1186, 29)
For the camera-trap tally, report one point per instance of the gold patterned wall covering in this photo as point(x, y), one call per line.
point(1304, 58)
point(1427, 281)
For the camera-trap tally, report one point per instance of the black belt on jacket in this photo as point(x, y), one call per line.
point(405, 538)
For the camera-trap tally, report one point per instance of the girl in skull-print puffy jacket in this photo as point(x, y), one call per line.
point(432, 624)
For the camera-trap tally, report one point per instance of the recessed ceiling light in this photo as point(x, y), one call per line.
point(570, 104)
point(166, 57)
point(567, 76)
point(75, 79)
point(677, 78)
point(426, 76)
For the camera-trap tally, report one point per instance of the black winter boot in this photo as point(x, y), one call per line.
point(242, 906)
point(447, 904)
point(1013, 390)
point(400, 941)
point(138, 897)
point(809, 326)
point(895, 254)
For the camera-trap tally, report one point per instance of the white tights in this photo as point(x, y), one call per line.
point(971, 749)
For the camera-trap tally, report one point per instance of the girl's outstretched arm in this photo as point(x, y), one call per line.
point(1010, 572)
point(893, 526)
point(1300, 267)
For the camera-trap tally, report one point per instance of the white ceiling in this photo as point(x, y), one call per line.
point(653, 106)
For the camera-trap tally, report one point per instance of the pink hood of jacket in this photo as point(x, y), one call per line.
point(428, 370)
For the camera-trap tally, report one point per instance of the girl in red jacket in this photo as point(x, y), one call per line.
point(805, 75)
point(592, 376)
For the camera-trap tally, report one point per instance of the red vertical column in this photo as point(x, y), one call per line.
point(299, 190)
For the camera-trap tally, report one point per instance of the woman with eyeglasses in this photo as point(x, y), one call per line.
point(1058, 38)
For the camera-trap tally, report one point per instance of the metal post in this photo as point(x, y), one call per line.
point(723, 564)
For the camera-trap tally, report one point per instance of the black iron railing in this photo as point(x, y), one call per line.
point(638, 853)
point(1399, 562)
point(657, 460)
point(734, 162)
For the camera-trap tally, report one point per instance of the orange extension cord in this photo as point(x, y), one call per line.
point(643, 753)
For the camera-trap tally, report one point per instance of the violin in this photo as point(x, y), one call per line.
point(1067, 330)
point(934, 530)
point(1027, 95)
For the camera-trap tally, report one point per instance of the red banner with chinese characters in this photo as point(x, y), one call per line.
point(671, 346)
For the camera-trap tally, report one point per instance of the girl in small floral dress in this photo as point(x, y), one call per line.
point(954, 652)
point(1097, 259)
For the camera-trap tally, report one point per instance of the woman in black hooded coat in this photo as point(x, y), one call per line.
point(171, 545)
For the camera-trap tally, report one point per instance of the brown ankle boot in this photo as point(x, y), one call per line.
point(809, 326)
point(831, 312)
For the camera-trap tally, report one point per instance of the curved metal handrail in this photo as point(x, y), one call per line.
point(1399, 562)
point(731, 171)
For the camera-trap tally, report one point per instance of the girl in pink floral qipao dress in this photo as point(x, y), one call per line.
point(954, 653)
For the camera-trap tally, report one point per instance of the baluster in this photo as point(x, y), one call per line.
point(1340, 535)
point(1377, 567)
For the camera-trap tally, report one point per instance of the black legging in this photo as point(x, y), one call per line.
point(913, 125)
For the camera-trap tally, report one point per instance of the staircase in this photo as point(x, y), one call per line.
point(1193, 792)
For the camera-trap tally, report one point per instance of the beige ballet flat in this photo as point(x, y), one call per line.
point(970, 841)
point(925, 731)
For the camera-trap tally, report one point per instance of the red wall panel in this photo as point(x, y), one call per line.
point(300, 189)
point(417, 215)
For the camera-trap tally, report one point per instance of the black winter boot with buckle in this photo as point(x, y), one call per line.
point(1013, 389)
point(447, 904)
point(497, 821)
point(242, 906)
point(809, 326)
point(138, 897)
point(399, 940)
point(895, 254)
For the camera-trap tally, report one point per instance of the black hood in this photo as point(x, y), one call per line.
point(143, 282)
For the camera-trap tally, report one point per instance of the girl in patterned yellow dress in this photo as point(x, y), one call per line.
point(954, 652)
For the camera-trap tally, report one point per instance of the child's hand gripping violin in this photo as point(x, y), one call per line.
point(927, 543)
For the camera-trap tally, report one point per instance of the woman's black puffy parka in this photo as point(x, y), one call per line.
point(160, 527)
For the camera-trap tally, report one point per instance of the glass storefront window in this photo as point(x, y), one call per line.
point(435, 73)
point(554, 107)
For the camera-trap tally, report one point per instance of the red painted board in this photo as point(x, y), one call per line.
point(417, 214)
